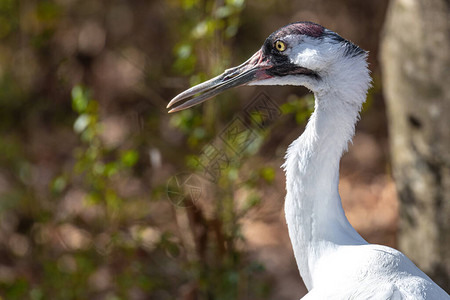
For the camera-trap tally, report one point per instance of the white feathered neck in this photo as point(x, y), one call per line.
point(314, 214)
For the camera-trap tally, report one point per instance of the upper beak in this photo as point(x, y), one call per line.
point(252, 70)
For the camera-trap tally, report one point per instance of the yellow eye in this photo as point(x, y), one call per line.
point(280, 46)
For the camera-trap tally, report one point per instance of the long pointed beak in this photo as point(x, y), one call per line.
point(251, 70)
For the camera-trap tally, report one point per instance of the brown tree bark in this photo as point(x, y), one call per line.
point(415, 57)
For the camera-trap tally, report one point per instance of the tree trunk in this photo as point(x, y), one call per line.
point(415, 57)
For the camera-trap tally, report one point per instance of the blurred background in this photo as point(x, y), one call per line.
point(103, 195)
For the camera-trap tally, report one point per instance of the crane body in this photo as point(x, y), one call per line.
point(334, 261)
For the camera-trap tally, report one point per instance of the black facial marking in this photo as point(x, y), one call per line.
point(290, 69)
point(282, 65)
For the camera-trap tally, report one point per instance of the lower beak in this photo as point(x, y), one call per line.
point(252, 70)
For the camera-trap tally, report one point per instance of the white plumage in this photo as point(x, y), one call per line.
point(334, 261)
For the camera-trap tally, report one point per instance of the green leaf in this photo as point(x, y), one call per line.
point(130, 158)
point(267, 173)
point(80, 99)
point(59, 184)
point(110, 169)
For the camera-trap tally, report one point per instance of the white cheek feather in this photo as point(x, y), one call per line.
point(313, 54)
point(308, 58)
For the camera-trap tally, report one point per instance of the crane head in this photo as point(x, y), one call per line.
point(302, 53)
